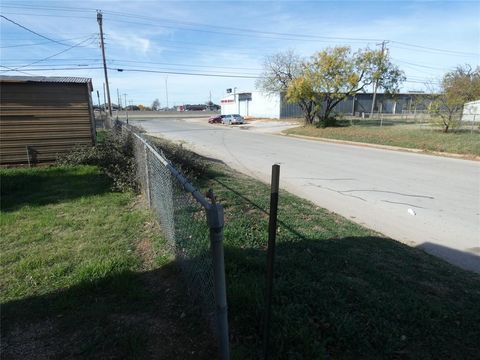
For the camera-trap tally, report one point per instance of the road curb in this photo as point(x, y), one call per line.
point(387, 147)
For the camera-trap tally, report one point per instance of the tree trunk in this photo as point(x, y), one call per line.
point(447, 123)
point(325, 120)
point(306, 107)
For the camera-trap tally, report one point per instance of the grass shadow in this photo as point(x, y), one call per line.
point(43, 186)
point(124, 315)
point(338, 295)
point(353, 297)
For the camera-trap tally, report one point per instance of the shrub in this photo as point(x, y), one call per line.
point(190, 164)
point(114, 155)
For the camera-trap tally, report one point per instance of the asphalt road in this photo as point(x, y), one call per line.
point(422, 200)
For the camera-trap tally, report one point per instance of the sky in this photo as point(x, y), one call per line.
point(224, 43)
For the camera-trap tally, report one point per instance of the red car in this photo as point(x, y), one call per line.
point(215, 119)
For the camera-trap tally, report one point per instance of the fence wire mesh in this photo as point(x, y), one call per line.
point(182, 219)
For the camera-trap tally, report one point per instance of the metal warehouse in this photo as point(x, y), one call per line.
point(41, 117)
point(258, 104)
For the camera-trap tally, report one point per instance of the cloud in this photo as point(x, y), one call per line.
point(131, 42)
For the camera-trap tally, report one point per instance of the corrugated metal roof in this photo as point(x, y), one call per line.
point(46, 79)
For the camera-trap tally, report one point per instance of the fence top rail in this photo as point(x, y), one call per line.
point(179, 176)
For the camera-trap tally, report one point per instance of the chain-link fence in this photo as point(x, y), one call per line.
point(192, 226)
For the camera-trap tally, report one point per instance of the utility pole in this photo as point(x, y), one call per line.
point(166, 89)
point(375, 85)
point(126, 111)
point(119, 99)
point(98, 96)
point(104, 100)
point(99, 20)
point(100, 110)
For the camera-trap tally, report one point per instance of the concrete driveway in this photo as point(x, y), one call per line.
point(421, 200)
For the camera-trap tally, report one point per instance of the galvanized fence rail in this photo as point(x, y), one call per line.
point(192, 226)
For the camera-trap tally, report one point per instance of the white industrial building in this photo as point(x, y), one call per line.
point(252, 104)
point(261, 105)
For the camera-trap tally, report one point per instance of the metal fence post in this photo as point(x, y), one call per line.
point(216, 222)
point(147, 177)
point(272, 236)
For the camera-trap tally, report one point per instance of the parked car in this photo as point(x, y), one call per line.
point(233, 119)
point(215, 119)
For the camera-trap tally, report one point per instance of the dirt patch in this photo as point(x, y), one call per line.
point(146, 252)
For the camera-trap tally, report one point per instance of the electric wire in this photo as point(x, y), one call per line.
point(56, 54)
point(32, 31)
point(35, 44)
point(279, 35)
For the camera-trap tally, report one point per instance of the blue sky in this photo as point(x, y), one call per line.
point(229, 38)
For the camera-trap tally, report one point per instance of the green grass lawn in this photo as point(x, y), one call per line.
point(407, 136)
point(341, 291)
point(84, 273)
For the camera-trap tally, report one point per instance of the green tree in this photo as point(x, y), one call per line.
point(334, 74)
point(457, 87)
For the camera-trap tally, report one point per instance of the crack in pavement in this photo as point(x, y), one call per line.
point(346, 193)
point(321, 179)
point(337, 191)
point(392, 192)
point(402, 203)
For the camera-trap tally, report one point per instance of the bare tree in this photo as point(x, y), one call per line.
point(279, 70)
point(457, 87)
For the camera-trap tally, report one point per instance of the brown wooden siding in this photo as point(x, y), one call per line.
point(38, 121)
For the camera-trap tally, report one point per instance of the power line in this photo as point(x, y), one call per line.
point(346, 41)
point(144, 71)
point(58, 69)
point(434, 52)
point(32, 31)
point(435, 49)
point(9, 68)
point(423, 82)
point(184, 73)
point(186, 65)
point(122, 61)
point(87, 66)
point(117, 61)
point(192, 24)
point(419, 65)
point(291, 36)
point(46, 7)
point(42, 43)
point(229, 28)
point(51, 56)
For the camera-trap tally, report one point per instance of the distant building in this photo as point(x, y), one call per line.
point(258, 104)
point(198, 107)
point(254, 104)
point(41, 117)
